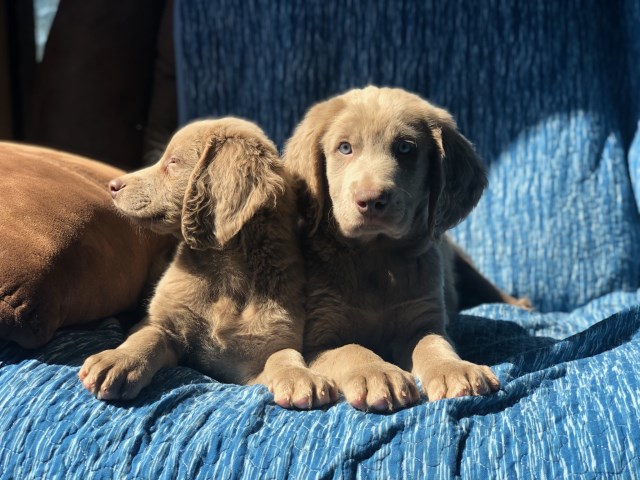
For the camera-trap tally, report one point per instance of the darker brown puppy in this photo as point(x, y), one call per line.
point(231, 302)
point(382, 174)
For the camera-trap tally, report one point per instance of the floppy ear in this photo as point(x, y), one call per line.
point(304, 159)
point(456, 174)
point(233, 179)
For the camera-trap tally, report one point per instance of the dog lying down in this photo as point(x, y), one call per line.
point(381, 175)
point(231, 303)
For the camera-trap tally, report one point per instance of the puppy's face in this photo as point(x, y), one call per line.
point(153, 197)
point(377, 155)
point(383, 162)
point(213, 177)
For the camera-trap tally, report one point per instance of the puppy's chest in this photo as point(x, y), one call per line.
point(369, 299)
point(375, 283)
point(209, 285)
point(228, 324)
point(229, 273)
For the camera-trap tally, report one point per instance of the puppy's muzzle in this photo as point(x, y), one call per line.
point(372, 203)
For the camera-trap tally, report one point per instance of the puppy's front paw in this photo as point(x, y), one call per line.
point(114, 374)
point(458, 378)
point(380, 386)
point(302, 388)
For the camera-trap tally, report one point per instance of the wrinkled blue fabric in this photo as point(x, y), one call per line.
point(549, 93)
point(568, 407)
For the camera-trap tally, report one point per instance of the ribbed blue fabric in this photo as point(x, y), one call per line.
point(550, 94)
point(567, 408)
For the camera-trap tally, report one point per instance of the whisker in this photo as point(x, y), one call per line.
point(405, 191)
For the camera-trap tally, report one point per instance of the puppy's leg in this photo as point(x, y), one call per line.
point(366, 380)
point(444, 375)
point(294, 384)
point(123, 372)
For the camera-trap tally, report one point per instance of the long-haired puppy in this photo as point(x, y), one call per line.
point(231, 303)
point(382, 174)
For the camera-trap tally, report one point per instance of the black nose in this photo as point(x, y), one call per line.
point(115, 186)
point(371, 202)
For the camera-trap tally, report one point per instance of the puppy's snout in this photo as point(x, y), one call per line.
point(371, 202)
point(115, 186)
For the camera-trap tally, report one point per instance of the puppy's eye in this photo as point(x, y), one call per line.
point(405, 147)
point(170, 165)
point(345, 148)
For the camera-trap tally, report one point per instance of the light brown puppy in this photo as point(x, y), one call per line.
point(231, 302)
point(382, 174)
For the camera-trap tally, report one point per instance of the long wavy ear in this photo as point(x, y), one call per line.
point(305, 161)
point(198, 205)
point(456, 174)
point(236, 176)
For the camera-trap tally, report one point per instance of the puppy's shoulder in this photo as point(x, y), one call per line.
point(186, 281)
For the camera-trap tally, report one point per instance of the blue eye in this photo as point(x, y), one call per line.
point(404, 147)
point(345, 148)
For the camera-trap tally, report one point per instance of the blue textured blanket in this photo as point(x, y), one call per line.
point(549, 92)
point(567, 408)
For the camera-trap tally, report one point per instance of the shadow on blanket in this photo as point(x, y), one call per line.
point(489, 342)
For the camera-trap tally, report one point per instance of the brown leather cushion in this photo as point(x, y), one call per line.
point(66, 256)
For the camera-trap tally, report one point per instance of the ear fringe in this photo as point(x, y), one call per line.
point(461, 173)
point(247, 180)
point(304, 160)
point(435, 179)
point(198, 206)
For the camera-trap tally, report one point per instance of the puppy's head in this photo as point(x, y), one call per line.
point(213, 177)
point(382, 161)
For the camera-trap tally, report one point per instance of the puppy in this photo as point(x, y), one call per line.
point(382, 174)
point(231, 303)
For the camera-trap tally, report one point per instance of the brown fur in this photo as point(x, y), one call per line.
point(231, 302)
point(379, 267)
